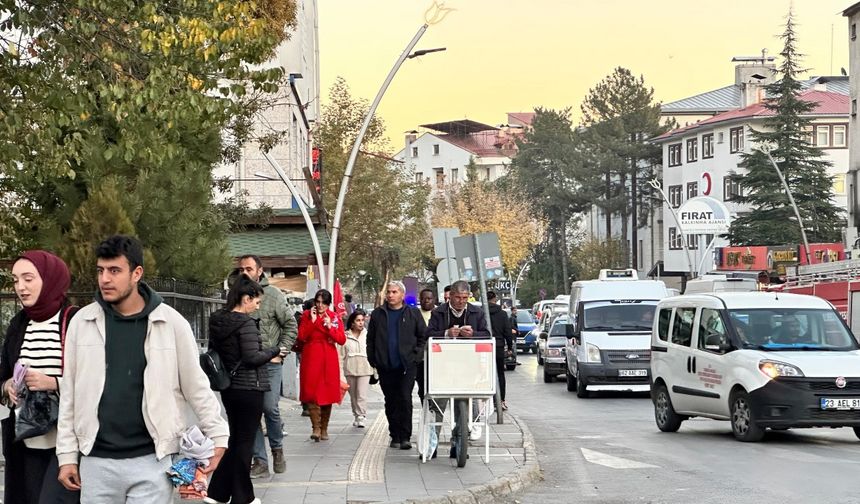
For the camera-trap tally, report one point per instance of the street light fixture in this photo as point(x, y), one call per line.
point(654, 183)
point(361, 275)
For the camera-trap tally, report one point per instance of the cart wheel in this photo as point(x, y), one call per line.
point(462, 442)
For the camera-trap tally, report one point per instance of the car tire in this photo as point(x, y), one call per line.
point(857, 431)
point(540, 359)
point(581, 388)
point(548, 378)
point(510, 367)
point(534, 349)
point(664, 413)
point(742, 419)
point(571, 380)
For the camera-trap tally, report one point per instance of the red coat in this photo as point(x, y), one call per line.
point(319, 373)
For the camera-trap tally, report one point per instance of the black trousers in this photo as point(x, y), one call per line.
point(500, 370)
point(31, 477)
point(232, 478)
point(397, 389)
point(419, 379)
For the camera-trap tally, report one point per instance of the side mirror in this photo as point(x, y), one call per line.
point(717, 343)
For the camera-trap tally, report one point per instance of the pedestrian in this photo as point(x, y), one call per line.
point(446, 293)
point(395, 346)
point(308, 304)
point(355, 365)
point(457, 318)
point(131, 371)
point(319, 332)
point(501, 326)
point(348, 304)
point(278, 329)
point(426, 302)
point(236, 336)
point(35, 338)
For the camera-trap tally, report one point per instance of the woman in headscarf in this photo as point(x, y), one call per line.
point(35, 338)
point(320, 376)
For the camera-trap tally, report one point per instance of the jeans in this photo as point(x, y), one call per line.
point(274, 428)
point(232, 478)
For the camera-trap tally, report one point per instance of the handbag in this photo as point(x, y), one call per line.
point(374, 378)
point(213, 366)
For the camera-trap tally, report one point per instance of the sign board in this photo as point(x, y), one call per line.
point(446, 273)
point(464, 249)
point(501, 285)
point(461, 367)
point(704, 215)
point(443, 242)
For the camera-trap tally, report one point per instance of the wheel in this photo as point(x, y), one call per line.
point(462, 442)
point(548, 378)
point(534, 349)
point(581, 389)
point(540, 358)
point(511, 367)
point(664, 413)
point(744, 426)
point(571, 380)
point(857, 431)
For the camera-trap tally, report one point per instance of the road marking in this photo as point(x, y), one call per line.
point(589, 437)
point(604, 459)
point(369, 461)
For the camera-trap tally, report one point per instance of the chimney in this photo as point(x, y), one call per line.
point(411, 136)
point(752, 73)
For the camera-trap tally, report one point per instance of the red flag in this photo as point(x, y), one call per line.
point(339, 305)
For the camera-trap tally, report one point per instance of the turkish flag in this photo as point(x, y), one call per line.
point(339, 305)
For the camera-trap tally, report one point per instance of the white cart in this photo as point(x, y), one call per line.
point(461, 370)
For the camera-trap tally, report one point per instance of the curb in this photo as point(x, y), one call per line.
point(492, 491)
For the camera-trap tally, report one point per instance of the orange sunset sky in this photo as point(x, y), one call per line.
point(509, 56)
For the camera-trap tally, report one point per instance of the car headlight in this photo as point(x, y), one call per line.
point(592, 353)
point(553, 352)
point(775, 369)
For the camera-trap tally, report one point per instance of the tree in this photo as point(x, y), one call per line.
point(590, 256)
point(772, 220)
point(384, 228)
point(620, 115)
point(148, 94)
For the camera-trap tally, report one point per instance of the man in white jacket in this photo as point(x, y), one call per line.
point(131, 369)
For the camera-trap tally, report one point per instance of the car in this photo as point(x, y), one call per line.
point(554, 361)
point(552, 320)
point(526, 340)
point(540, 306)
point(761, 360)
point(544, 324)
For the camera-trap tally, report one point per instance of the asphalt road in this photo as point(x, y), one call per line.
point(607, 449)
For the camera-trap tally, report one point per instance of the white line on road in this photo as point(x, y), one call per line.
point(604, 459)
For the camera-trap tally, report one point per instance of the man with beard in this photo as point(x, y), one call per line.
point(131, 370)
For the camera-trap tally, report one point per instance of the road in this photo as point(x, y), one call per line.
point(607, 449)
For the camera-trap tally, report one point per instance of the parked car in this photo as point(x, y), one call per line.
point(553, 320)
point(526, 340)
point(757, 359)
point(553, 356)
point(548, 318)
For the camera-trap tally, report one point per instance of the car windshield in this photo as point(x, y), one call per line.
point(524, 317)
point(560, 329)
point(792, 329)
point(619, 315)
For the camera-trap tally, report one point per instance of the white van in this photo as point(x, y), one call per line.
point(758, 359)
point(612, 323)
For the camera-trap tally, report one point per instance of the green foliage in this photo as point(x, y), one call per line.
point(384, 228)
point(590, 256)
point(772, 220)
point(149, 94)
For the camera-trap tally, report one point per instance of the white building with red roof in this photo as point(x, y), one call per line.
point(700, 159)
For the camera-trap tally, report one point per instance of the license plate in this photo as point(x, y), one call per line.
point(632, 372)
point(846, 403)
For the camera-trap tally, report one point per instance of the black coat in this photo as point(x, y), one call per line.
point(501, 325)
point(236, 338)
point(440, 321)
point(412, 337)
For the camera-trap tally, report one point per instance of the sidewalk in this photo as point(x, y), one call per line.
point(357, 466)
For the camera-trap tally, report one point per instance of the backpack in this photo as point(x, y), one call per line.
point(213, 366)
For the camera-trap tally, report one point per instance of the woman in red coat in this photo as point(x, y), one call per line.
point(320, 330)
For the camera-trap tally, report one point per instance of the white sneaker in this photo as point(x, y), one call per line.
point(476, 432)
point(256, 501)
point(360, 422)
point(209, 500)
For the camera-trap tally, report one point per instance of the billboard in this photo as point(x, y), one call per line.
point(704, 215)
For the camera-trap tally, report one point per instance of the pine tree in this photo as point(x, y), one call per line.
point(771, 220)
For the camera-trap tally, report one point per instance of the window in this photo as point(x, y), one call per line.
point(839, 135)
point(414, 151)
point(435, 149)
point(822, 136)
point(693, 241)
point(455, 175)
point(809, 135)
point(853, 31)
point(712, 331)
point(736, 139)
point(675, 155)
point(692, 189)
point(731, 187)
point(419, 178)
point(682, 329)
point(692, 150)
point(675, 239)
point(675, 196)
point(839, 184)
point(708, 146)
point(641, 255)
point(486, 174)
point(853, 107)
point(663, 323)
point(440, 176)
point(709, 238)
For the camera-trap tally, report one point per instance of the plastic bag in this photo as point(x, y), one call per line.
point(36, 414)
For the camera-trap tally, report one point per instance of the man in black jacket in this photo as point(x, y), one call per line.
point(395, 346)
point(501, 325)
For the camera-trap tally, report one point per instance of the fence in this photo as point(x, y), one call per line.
point(195, 302)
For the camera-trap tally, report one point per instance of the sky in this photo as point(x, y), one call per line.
point(512, 56)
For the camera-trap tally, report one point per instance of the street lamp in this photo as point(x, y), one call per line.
point(361, 274)
point(793, 205)
point(656, 185)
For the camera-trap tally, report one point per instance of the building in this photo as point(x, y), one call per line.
point(853, 15)
point(441, 154)
point(701, 158)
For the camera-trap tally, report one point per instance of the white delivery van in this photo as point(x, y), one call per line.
point(758, 359)
point(612, 323)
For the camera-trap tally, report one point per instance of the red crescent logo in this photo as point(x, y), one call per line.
point(707, 177)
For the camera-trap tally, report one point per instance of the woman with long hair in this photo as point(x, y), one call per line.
point(356, 368)
point(319, 332)
point(236, 338)
point(35, 338)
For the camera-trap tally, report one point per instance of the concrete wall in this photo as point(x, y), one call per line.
point(853, 124)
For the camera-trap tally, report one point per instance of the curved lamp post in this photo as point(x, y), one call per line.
point(656, 185)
